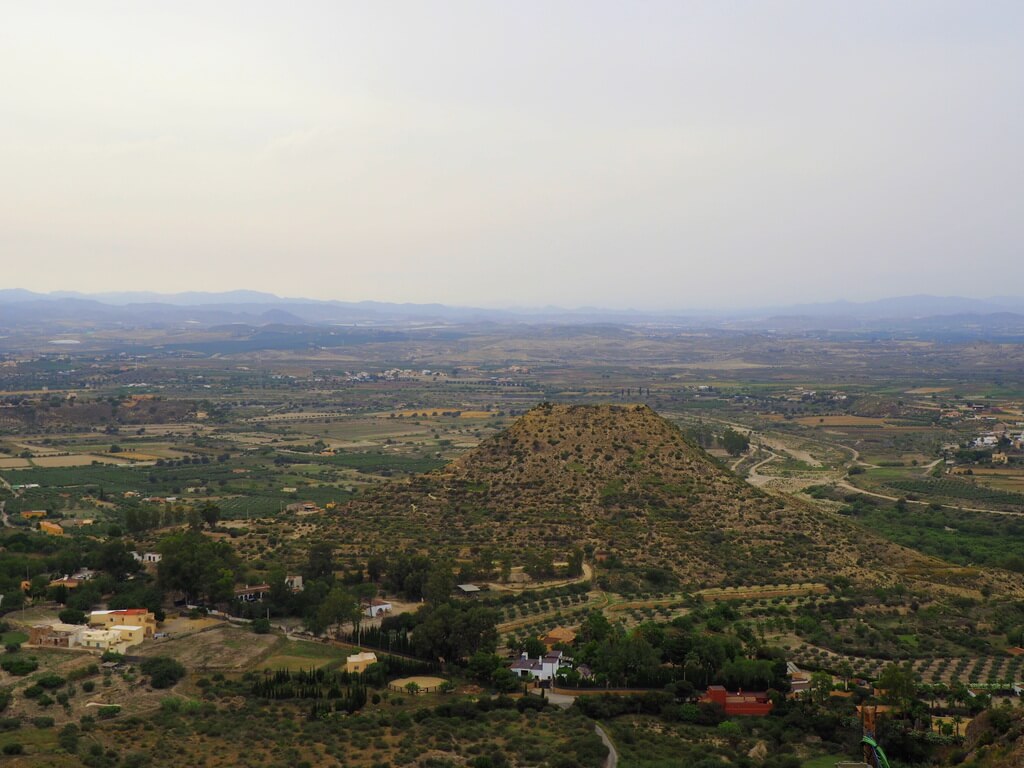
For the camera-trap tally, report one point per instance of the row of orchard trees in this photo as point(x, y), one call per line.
point(346, 692)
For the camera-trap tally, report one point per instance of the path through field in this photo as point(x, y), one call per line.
point(613, 756)
point(846, 486)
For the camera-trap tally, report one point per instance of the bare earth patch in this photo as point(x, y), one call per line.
point(221, 648)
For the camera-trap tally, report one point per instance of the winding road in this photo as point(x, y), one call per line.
point(757, 479)
point(613, 756)
point(563, 701)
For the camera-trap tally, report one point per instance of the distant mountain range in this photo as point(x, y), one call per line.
point(912, 314)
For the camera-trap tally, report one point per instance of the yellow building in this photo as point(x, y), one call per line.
point(100, 640)
point(139, 617)
point(131, 635)
point(50, 529)
point(358, 662)
point(119, 639)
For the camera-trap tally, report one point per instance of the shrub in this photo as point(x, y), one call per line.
point(68, 738)
point(19, 665)
point(89, 686)
point(14, 748)
point(163, 671)
point(261, 626)
point(170, 704)
point(109, 711)
point(51, 681)
point(72, 616)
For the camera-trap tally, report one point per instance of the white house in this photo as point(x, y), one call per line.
point(542, 668)
point(377, 608)
point(147, 557)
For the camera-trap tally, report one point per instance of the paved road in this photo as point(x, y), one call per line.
point(613, 756)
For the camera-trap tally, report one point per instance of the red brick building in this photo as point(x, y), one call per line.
point(752, 703)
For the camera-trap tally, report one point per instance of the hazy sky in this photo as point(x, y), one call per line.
point(643, 154)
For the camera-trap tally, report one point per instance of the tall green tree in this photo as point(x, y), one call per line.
point(454, 632)
point(576, 562)
point(320, 561)
point(339, 607)
point(210, 513)
point(899, 681)
point(200, 567)
point(440, 583)
point(734, 442)
point(115, 557)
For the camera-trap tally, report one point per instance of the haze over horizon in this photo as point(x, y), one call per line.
point(678, 155)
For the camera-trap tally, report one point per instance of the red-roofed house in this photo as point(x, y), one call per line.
point(753, 703)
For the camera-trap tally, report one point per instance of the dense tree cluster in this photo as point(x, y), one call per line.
point(200, 567)
point(704, 648)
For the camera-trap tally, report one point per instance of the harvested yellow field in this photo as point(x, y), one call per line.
point(74, 460)
point(926, 390)
point(14, 464)
point(133, 456)
point(843, 421)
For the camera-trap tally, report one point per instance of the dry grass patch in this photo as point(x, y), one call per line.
point(843, 421)
point(221, 648)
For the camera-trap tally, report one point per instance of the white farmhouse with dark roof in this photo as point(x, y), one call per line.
point(542, 668)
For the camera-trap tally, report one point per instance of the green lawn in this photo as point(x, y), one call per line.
point(294, 655)
point(309, 650)
point(13, 637)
